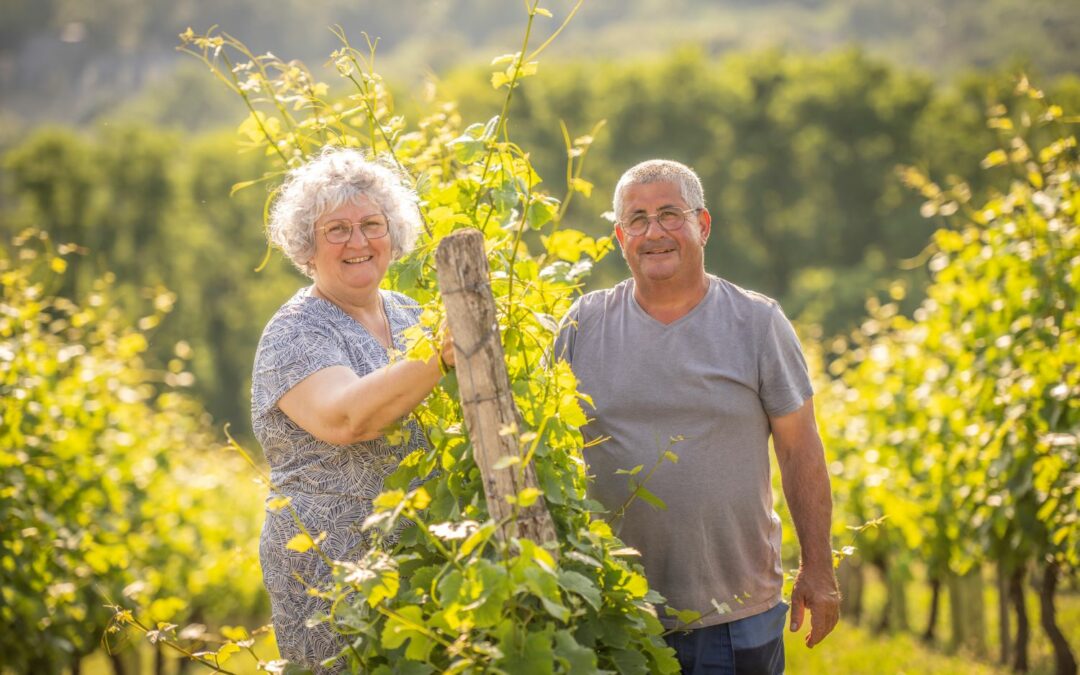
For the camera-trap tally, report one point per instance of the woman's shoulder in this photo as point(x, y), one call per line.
point(304, 309)
point(304, 335)
point(397, 300)
point(299, 314)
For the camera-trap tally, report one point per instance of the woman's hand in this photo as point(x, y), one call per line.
point(447, 358)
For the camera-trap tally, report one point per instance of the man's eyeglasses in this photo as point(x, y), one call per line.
point(669, 220)
point(340, 231)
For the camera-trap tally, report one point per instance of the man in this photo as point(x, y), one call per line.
point(677, 359)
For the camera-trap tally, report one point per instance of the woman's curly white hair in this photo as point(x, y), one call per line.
point(334, 177)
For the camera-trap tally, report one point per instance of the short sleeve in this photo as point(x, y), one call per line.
point(289, 352)
point(567, 334)
point(403, 310)
point(784, 381)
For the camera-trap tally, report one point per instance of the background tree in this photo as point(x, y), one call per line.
point(970, 406)
point(113, 486)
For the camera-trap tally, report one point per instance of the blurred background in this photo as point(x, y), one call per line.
point(795, 114)
point(799, 116)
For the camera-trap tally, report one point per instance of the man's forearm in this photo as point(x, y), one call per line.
point(805, 478)
point(806, 487)
point(809, 499)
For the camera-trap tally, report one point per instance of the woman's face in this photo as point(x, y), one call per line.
point(356, 267)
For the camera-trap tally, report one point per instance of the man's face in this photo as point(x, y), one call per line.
point(658, 255)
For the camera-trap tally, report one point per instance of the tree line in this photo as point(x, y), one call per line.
point(952, 426)
point(799, 156)
point(76, 62)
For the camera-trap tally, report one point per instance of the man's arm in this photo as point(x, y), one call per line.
point(806, 487)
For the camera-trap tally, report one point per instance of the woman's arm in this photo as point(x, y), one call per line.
point(338, 406)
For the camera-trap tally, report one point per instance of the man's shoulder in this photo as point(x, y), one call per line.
point(607, 295)
point(742, 298)
point(602, 300)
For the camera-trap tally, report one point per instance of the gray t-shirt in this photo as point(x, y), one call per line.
point(713, 377)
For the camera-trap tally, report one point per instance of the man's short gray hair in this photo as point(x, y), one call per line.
point(334, 177)
point(661, 171)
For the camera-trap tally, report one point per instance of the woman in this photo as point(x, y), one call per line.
point(324, 386)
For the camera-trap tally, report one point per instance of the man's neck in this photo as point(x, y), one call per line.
point(670, 300)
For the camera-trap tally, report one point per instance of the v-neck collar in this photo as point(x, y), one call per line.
point(685, 317)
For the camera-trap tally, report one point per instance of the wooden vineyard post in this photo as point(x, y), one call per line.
point(484, 386)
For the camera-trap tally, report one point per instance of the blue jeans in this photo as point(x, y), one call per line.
point(750, 646)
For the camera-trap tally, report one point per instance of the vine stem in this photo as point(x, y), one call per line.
point(254, 112)
point(367, 97)
point(501, 129)
point(621, 511)
point(213, 665)
point(536, 52)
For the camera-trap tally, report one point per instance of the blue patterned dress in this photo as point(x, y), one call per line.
point(331, 486)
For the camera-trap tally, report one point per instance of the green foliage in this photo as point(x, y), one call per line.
point(156, 212)
point(953, 431)
point(797, 154)
point(960, 426)
point(456, 595)
point(110, 487)
point(75, 62)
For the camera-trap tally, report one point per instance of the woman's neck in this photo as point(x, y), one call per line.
point(367, 310)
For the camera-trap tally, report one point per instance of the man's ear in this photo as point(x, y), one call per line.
point(620, 236)
point(705, 223)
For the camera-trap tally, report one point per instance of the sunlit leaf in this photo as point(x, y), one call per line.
point(300, 543)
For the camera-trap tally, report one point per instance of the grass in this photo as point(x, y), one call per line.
point(858, 649)
point(852, 649)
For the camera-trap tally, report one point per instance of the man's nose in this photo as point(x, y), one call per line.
point(652, 225)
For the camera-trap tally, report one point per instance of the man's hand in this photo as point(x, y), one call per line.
point(806, 486)
point(815, 590)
